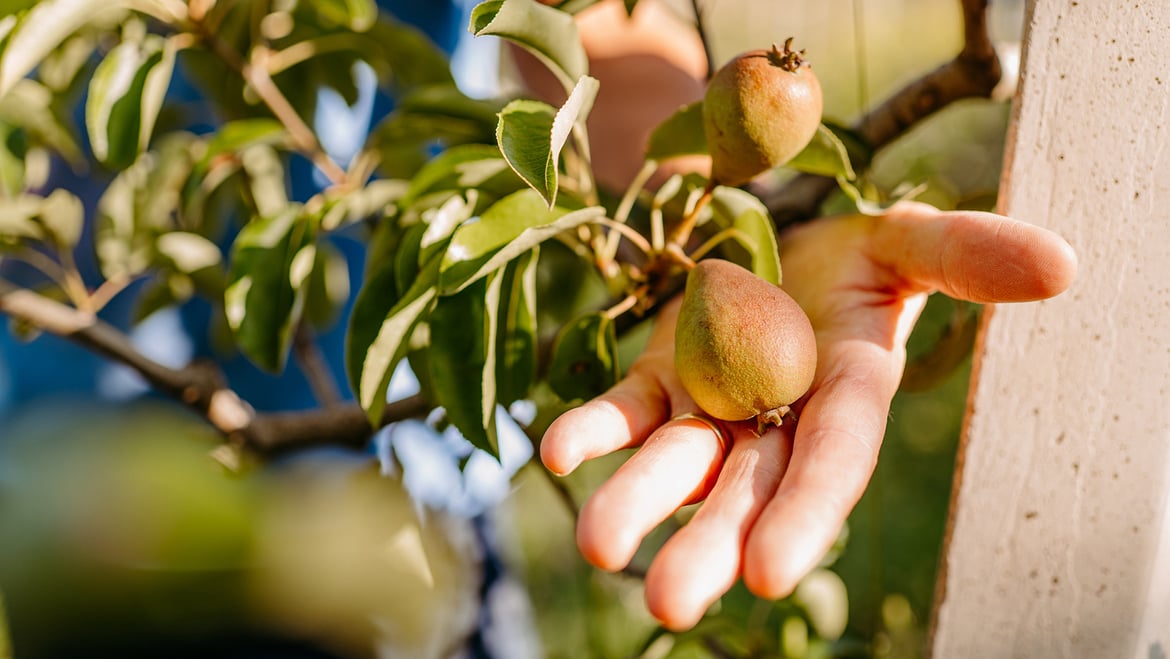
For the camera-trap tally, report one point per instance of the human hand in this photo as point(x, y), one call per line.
point(773, 504)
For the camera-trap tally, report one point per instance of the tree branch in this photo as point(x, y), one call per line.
point(973, 73)
point(255, 74)
point(201, 387)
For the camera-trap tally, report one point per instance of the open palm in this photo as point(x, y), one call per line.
point(773, 504)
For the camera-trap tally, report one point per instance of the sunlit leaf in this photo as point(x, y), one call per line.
point(525, 138)
point(188, 252)
point(270, 265)
point(391, 341)
point(467, 166)
point(266, 178)
point(29, 105)
point(681, 134)
point(755, 232)
point(125, 96)
point(141, 203)
point(18, 219)
point(516, 350)
point(584, 362)
point(507, 229)
point(547, 33)
point(367, 202)
point(531, 135)
point(43, 28)
point(462, 360)
point(441, 223)
point(825, 155)
point(62, 215)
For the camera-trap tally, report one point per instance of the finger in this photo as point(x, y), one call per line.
point(981, 257)
point(626, 414)
point(835, 451)
point(702, 560)
point(622, 417)
point(677, 465)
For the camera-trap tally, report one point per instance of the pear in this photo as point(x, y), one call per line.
point(760, 110)
point(743, 347)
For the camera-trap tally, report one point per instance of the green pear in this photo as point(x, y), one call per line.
point(743, 347)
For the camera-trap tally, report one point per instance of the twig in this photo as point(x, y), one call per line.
point(255, 73)
point(313, 366)
point(200, 386)
point(701, 28)
point(973, 73)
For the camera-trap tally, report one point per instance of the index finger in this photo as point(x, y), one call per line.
point(971, 255)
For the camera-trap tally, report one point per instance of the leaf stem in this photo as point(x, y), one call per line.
point(622, 213)
point(624, 231)
point(682, 231)
point(729, 233)
point(621, 307)
point(107, 291)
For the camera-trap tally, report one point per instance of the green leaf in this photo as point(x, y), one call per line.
point(328, 287)
point(56, 219)
point(271, 261)
point(547, 33)
point(525, 138)
point(29, 105)
point(468, 166)
point(236, 136)
point(516, 342)
point(874, 205)
point(681, 134)
point(357, 15)
point(407, 263)
point(584, 362)
point(13, 152)
point(266, 179)
point(18, 219)
point(825, 155)
point(43, 28)
point(366, 202)
point(412, 58)
point(378, 295)
point(737, 209)
point(125, 96)
point(462, 361)
point(441, 223)
point(432, 116)
point(62, 215)
point(531, 135)
point(188, 252)
point(507, 229)
point(140, 203)
point(391, 342)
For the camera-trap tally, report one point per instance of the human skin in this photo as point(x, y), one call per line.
point(772, 504)
point(775, 503)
